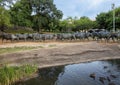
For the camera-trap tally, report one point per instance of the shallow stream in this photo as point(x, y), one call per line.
point(91, 73)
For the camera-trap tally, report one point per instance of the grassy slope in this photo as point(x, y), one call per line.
point(9, 75)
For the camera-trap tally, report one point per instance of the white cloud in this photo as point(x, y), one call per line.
point(96, 2)
point(88, 8)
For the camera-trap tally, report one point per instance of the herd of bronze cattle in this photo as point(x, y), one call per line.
point(89, 35)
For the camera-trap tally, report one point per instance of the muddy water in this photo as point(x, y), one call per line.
point(90, 73)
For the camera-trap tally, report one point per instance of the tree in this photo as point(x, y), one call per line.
point(117, 18)
point(45, 13)
point(67, 25)
point(101, 20)
point(4, 19)
point(21, 13)
point(63, 26)
point(84, 23)
point(105, 20)
point(36, 14)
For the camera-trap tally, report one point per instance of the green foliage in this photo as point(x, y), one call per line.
point(63, 25)
point(4, 19)
point(37, 14)
point(43, 15)
point(101, 20)
point(21, 14)
point(70, 24)
point(46, 14)
point(84, 23)
point(105, 20)
point(9, 75)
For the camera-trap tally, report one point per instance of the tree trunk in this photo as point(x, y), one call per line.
point(39, 30)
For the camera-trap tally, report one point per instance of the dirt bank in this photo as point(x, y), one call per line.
point(62, 53)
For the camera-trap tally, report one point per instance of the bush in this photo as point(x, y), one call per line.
point(19, 29)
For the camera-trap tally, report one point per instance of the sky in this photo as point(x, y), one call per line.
point(89, 8)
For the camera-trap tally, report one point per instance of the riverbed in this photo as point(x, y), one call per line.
point(57, 53)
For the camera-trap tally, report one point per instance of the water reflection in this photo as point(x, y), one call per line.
point(105, 73)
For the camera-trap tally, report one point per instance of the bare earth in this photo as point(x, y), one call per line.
point(60, 53)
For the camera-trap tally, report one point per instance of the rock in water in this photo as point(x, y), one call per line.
point(101, 79)
point(108, 79)
point(111, 83)
point(92, 75)
point(113, 76)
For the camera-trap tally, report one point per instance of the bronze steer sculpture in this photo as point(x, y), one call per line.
point(8, 36)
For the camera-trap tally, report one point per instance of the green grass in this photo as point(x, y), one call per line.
point(9, 75)
point(52, 45)
point(16, 49)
